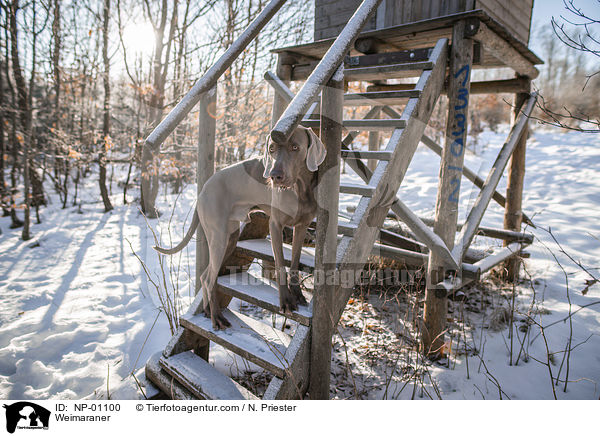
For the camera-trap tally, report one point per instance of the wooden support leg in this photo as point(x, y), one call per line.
point(446, 213)
point(205, 169)
point(332, 101)
point(513, 215)
point(373, 146)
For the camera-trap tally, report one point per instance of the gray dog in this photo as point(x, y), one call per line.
point(282, 184)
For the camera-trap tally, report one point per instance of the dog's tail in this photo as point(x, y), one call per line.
point(186, 238)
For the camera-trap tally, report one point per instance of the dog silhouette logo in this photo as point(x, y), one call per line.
point(26, 415)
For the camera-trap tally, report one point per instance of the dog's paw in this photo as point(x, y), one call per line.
point(296, 291)
point(219, 322)
point(287, 301)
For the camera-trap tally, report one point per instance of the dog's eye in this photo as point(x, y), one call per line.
point(294, 147)
point(271, 148)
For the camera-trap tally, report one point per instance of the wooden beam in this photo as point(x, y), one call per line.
point(513, 214)
point(446, 210)
point(476, 214)
point(504, 51)
point(332, 107)
point(323, 72)
point(520, 84)
point(489, 232)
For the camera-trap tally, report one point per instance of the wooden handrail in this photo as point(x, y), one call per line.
point(296, 110)
point(210, 78)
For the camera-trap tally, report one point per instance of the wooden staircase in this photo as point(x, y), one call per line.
point(181, 373)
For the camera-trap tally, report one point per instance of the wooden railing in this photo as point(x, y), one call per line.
point(324, 70)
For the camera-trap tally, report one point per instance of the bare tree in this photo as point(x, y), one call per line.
point(106, 109)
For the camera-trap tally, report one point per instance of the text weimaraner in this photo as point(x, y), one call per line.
point(282, 184)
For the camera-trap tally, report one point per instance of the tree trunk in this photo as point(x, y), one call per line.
point(106, 115)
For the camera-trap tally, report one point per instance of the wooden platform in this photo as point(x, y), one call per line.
point(417, 35)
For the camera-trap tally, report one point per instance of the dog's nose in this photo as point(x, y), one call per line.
point(276, 175)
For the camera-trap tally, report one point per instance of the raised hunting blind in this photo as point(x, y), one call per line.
point(374, 42)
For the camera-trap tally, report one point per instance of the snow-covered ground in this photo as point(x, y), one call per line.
point(78, 315)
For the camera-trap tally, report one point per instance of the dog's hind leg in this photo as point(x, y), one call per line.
point(217, 242)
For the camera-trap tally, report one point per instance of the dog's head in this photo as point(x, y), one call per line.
point(284, 162)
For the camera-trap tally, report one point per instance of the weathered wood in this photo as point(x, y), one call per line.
point(359, 154)
point(165, 382)
point(253, 340)
point(513, 214)
point(384, 71)
point(379, 98)
point(520, 84)
point(209, 80)
point(202, 379)
point(282, 76)
point(476, 213)
point(324, 71)
point(363, 125)
point(388, 58)
point(419, 35)
point(261, 249)
point(350, 188)
point(504, 51)
point(370, 212)
point(326, 237)
point(511, 250)
point(295, 383)
point(446, 210)
point(490, 232)
point(262, 293)
point(374, 139)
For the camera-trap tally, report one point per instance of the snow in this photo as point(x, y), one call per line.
point(79, 316)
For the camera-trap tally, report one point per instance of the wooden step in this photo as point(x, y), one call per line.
point(262, 293)
point(349, 188)
point(251, 339)
point(164, 381)
point(202, 379)
point(261, 249)
point(370, 125)
point(390, 98)
point(363, 154)
point(382, 72)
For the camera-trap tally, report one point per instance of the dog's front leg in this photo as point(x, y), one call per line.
point(286, 301)
point(294, 282)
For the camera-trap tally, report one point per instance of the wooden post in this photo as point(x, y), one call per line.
point(206, 168)
point(332, 101)
point(513, 215)
point(446, 212)
point(373, 146)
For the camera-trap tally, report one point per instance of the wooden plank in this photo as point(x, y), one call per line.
point(387, 58)
point(370, 213)
point(165, 382)
point(379, 98)
point(362, 125)
point(261, 249)
point(385, 71)
point(354, 189)
point(295, 384)
point(511, 86)
point(490, 232)
point(503, 51)
point(262, 293)
point(253, 340)
point(476, 213)
point(323, 72)
point(359, 154)
point(202, 379)
point(326, 236)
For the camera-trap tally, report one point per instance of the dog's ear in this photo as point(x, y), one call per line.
point(267, 160)
point(316, 151)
